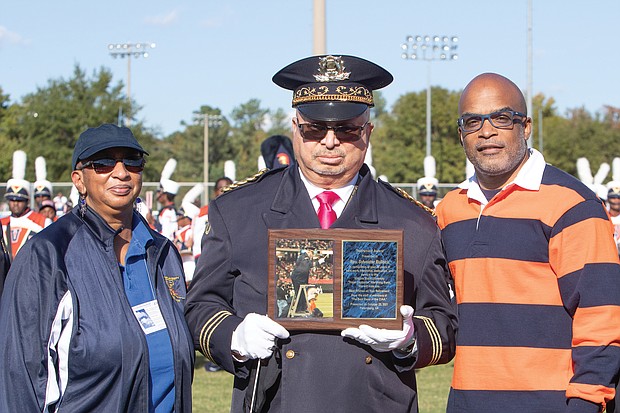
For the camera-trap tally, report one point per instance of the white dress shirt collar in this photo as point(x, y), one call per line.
point(344, 193)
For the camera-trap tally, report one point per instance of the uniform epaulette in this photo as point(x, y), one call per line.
point(406, 195)
point(254, 178)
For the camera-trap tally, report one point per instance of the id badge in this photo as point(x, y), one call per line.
point(149, 316)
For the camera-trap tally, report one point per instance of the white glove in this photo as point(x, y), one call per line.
point(255, 337)
point(383, 340)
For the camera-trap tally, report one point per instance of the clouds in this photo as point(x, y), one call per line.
point(223, 16)
point(212, 23)
point(163, 20)
point(208, 20)
point(8, 37)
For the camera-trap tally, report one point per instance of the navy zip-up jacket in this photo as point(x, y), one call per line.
point(69, 341)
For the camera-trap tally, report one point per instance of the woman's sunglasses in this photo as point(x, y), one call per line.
point(107, 165)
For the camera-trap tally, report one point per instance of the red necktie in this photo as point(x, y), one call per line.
point(327, 216)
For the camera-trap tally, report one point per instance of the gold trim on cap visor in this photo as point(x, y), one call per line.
point(358, 94)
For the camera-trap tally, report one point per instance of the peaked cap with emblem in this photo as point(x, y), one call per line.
point(332, 87)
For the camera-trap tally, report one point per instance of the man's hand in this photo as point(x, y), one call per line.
point(255, 337)
point(385, 340)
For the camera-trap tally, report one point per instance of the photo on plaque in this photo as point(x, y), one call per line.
point(304, 278)
point(335, 278)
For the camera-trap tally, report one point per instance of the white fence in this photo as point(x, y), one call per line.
point(149, 189)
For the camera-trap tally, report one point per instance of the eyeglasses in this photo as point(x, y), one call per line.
point(107, 165)
point(502, 119)
point(317, 131)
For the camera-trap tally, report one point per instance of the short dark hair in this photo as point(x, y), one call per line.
point(222, 179)
point(168, 195)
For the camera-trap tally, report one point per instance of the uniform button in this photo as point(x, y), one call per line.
point(368, 360)
point(290, 354)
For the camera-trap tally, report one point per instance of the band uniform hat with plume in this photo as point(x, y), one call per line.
point(103, 137)
point(613, 186)
point(17, 188)
point(614, 191)
point(165, 183)
point(332, 87)
point(427, 186)
point(42, 187)
point(188, 208)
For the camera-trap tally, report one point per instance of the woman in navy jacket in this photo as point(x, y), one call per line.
point(92, 311)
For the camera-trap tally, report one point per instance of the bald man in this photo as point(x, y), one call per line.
point(535, 267)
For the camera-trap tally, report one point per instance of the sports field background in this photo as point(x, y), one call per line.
point(325, 303)
point(211, 391)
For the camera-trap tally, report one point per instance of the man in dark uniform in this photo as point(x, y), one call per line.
point(358, 369)
point(299, 277)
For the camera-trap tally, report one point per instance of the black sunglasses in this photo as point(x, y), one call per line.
point(317, 131)
point(107, 165)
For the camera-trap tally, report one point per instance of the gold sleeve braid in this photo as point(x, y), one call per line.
point(406, 195)
point(209, 327)
point(207, 330)
point(435, 339)
point(247, 180)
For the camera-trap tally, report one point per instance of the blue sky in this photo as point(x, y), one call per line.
point(223, 53)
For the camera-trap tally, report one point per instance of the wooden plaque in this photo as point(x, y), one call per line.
point(335, 278)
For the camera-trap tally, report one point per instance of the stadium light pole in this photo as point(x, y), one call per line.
point(207, 120)
point(319, 42)
point(530, 109)
point(130, 50)
point(429, 48)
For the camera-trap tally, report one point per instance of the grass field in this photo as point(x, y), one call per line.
point(211, 391)
point(325, 302)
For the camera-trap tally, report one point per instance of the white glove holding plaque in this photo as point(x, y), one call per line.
point(384, 340)
point(255, 337)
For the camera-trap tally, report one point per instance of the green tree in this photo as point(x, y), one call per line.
point(399, 144)
point(446, 145)
point(580, 135)
point(47, 122)
point(246, 136)
point(187, 147)
point(398, 140)
point(380, 107)
point(4, 104)
point(281, 123)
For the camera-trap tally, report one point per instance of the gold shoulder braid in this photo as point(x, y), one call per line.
point(247, 180)
point(406, 195)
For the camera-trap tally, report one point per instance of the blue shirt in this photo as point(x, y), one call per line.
point(139, 290)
